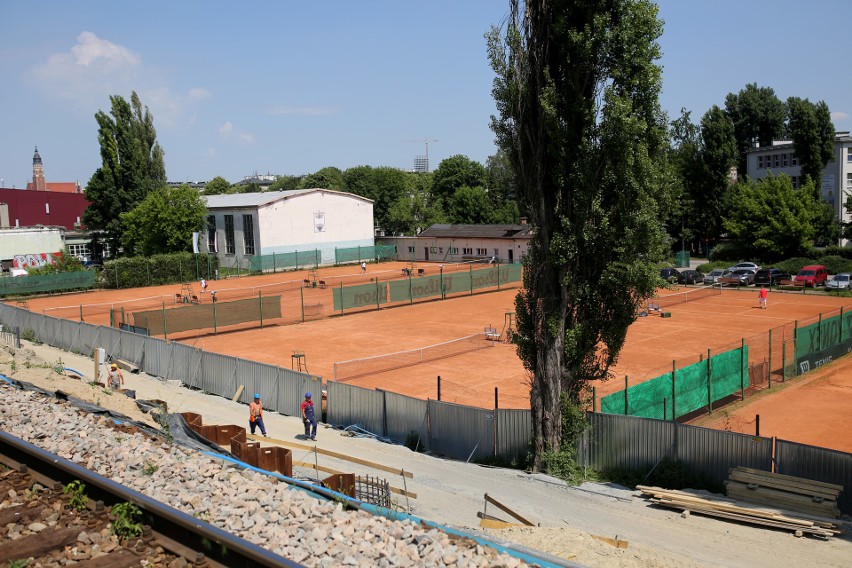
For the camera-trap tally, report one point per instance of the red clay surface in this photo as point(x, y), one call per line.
point(717, 323)
point(812, 409)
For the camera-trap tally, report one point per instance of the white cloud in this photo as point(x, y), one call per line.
point(95, 68)
point(245, 138)
point(226, 128)
point(839, 115)
point(309, 111)
point(211, 151)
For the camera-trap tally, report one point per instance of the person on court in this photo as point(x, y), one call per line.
point(256, 415)
point(363, 266)
point(763, 295)
point(203, 285)
point(309, 418)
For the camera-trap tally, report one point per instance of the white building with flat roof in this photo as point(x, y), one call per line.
point(780, 158)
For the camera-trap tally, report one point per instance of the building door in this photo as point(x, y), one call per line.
point(426, 250)
point(511, 256)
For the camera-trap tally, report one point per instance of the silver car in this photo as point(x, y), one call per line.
point(713, 276)
point(839, 282)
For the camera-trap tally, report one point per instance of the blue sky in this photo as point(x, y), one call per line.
point(290, 87)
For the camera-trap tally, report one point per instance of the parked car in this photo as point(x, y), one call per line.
point(739, 277)
point(690, 277)
point(670, 275)
point(746, 265)
point(812, 275)
point(839, 282)
point(770, 276)
point(713, 276)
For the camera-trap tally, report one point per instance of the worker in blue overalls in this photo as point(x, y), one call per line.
point(309, 419)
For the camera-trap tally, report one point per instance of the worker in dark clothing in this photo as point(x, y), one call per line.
point(256, 415)
point(309, 418)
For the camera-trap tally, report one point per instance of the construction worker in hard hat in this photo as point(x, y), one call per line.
point(116, 378)
point(256, 415)
point(309, 418)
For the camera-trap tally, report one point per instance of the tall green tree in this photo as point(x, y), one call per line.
point(770, 220)
point(758, 116)
point(577, 92)
point(326, 178)
point(685, 159)
point(217, 186)
point(812, 132)
point(416, 209)
point(470, 206)
point(131, 165)
point(164, 221)
point(455, 172)
point(718, 154)
point(285, 183)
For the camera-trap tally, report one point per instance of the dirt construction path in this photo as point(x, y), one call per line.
point(451, 492)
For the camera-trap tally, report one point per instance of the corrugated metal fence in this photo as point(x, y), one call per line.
point(461, 432)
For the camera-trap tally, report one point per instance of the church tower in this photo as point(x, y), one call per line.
point(38, 173)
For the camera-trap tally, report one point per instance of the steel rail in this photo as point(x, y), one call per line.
point(216, 544)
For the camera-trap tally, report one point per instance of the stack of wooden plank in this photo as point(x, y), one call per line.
point(731, 510)
point(784, 492)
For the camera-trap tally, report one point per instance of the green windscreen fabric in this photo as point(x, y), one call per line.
point(285, 260)
point(820, 336)
point(359, 296)
point(371, 252)
point(415, 288)
point(47, 282)
point(207, 316)
point(653, 399)
point(457, 282)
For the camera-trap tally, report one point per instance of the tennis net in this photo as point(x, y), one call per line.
point(354, 368)
point(688, 296)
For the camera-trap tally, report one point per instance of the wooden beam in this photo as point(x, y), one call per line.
point(790, 478)
point(611, 541)
point(238, 393)
point(507, 510)
point(332, 454)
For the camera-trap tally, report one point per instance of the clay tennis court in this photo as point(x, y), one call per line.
point(717, 323)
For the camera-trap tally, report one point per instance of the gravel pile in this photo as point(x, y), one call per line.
point(248, 504)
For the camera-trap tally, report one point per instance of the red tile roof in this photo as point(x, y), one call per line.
point(60, 187)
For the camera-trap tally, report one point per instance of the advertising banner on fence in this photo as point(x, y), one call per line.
point(820, 336)
point(35, 260)
point(364, 295)
point(47, 282)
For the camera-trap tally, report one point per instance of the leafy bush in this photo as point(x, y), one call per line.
point(835, 264)
point(716, 264)
point(845, 252)
point(726, 252)
point(794, 265)
point(159, 269)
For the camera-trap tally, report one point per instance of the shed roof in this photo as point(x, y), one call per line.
point(234, 200)
point(507, 231)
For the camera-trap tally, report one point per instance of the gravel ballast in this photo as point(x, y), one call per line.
point(253, 506)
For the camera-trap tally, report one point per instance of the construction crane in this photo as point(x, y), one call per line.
point(424, 141)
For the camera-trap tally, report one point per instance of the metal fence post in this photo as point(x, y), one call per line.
point(742, 369)
point(709, 382)
point(260, 306)
point(165, 330)
point(626, 401)
point(302, 297)
point(770, 358)
point(674, 390)
point(819, 332)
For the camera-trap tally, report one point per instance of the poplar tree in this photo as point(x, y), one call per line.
point(577, 92)
point(131, 166)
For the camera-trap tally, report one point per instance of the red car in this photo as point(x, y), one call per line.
point(813, 275)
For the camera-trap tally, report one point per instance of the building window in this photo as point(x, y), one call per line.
point(776, 160)
point(229, 235)
point(481, 252)
point(211, 234)
point(454, 250)
point(467, 251)
point(411, 249)
point(783, 160)
point(248, 234)
point(849, 155)
point(794, 161)
point(848, 182)
point(80, 251)
point(760, 162)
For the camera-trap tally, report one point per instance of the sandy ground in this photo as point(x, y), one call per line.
point(451, 492)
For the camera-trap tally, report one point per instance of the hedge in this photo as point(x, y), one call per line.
point(140, 271)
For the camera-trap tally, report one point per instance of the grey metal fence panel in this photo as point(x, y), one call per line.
point(110, 340)
point(183, 357)
point(405, 415)
point(257, 378)
point(132, 347)
point(158, 356)
point(461, 432)
point(218, 374)
point(712, 453)
point(348, 405)
point(292, 386)
point(64, 332)
point(514, 432)
point(819, 464)
point(627, 442)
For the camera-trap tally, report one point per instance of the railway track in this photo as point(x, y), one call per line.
point(45, 521)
